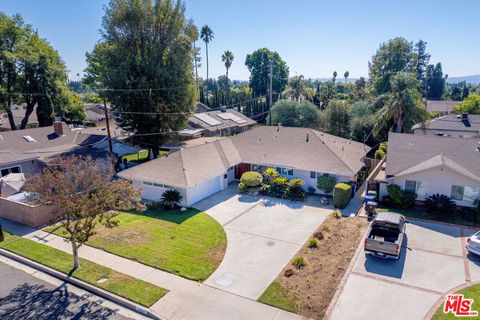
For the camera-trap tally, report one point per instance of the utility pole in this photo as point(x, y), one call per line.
point(108, 127)
point(270, 93)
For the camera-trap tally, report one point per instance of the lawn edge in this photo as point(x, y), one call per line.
point(128, 304)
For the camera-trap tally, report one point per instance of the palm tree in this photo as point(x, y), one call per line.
point(207, 35)
point(334, 76)
point(346, 74)
point(227, 58)
point(402, 105)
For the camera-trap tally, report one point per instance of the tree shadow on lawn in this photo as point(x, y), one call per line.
point(175, 216)
point(36, 301)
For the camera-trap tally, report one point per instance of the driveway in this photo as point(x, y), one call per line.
point(433, 262)
point(263, 234)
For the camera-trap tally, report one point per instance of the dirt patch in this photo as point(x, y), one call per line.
point(313, 286)
point(129, 237)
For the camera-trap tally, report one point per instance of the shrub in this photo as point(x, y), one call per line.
point(279, 187)
point(299, 262)
point(242, 187)
point(439, 203)
point(288, 273)
point(341, 195)
point(171, 198)
point(325, 228)
point(270, 174)
point(326, 183)
point(381, 152)
point(337, 214)
point(154, 205)
point(251, 179)
point(399, 198)
point(295, 191)
point(313, 243)
point(311, 190)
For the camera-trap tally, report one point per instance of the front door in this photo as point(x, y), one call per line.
point(240, 169)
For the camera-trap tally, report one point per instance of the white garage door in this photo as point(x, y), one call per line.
point(205, 189)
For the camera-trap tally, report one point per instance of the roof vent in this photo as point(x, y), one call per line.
point(29, 139)
point(307, 138)
point(278, 126)
point(464, 116)
point(223, 108)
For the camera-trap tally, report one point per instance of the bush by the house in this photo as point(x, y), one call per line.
point(337, 214)
point(269, 175)
point(381, 152)
point(279, 187)
point(250, 181)
point(154, 205)
point(295, 190)
point(311, 190)
point(171, 198)
point(326, 183)
point(398, 198)
point(439, 203)
point(341, 195)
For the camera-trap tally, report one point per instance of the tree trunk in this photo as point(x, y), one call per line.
point(9, 114)
point(76, 259)
point(206, 49)
point(399, 124)
point(195, 60)
point(28, 112)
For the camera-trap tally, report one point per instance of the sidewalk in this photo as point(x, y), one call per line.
point(186, 299)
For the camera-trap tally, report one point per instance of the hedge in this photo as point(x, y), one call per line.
point(341, 195)
point(251, 179)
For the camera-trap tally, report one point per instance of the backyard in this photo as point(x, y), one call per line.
point(190, 244)
point(142, 155)
point(308, 289)
point(115, 282)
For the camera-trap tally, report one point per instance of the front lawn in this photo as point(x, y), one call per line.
point(420, 212)
point(280, 297)
point(190, 244)
point(472, 292)
point(112, 281)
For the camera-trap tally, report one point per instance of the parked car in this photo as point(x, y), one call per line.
point(385, 235)
point(473, 244)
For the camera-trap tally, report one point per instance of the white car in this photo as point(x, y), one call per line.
point(473, 244)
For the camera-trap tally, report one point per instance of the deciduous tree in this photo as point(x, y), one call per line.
point(84, 195)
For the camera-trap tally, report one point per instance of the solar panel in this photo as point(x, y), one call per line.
point(230, 116)
point(207, 119)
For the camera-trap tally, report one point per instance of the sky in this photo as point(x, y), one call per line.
point(314, 37)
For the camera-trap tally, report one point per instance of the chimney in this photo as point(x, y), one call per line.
point(58, 126)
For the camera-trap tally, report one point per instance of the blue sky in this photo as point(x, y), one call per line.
point(314, 37)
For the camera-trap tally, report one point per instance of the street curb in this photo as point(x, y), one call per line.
point(82, 285)
point(342, 283)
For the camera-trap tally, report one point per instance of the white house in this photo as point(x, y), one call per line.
point(427, 165)
point(203, 170)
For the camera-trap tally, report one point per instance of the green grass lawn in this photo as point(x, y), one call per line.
point(190, 244)
point(120, 284)
point(278, 296)
point(142, 155)
point(422, 213)
point(472, 292)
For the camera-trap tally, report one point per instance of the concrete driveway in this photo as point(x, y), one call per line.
point(433, 262)
point(263, 234)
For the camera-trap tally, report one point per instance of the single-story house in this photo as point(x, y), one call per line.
point(441, 106)
point(427, 165)
point(218, 123)
point(452, 125)
point(205, 169)
point(95, 112)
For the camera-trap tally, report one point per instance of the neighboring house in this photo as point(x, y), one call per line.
point(189, 143)
point(200, 107)
point(441, 106)
point(95, 112)
point(452, 125)
point(18, 112)
point(426, 165)
point(205, 169)
point(218, 123)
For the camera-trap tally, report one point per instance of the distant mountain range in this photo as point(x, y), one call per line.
point(470, 79)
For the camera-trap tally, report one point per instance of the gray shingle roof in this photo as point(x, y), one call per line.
point(452, 122)
point(408, 150)
point(273, 146)
point(224, 124)
point(441, 105)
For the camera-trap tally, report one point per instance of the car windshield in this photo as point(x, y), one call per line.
point(476, 235)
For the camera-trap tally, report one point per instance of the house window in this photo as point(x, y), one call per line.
point(410, 186)
point(463, 193)
point(290, 172)
point(6, 171)
point(158, 185)
point(146, 183)
point(313, 174)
